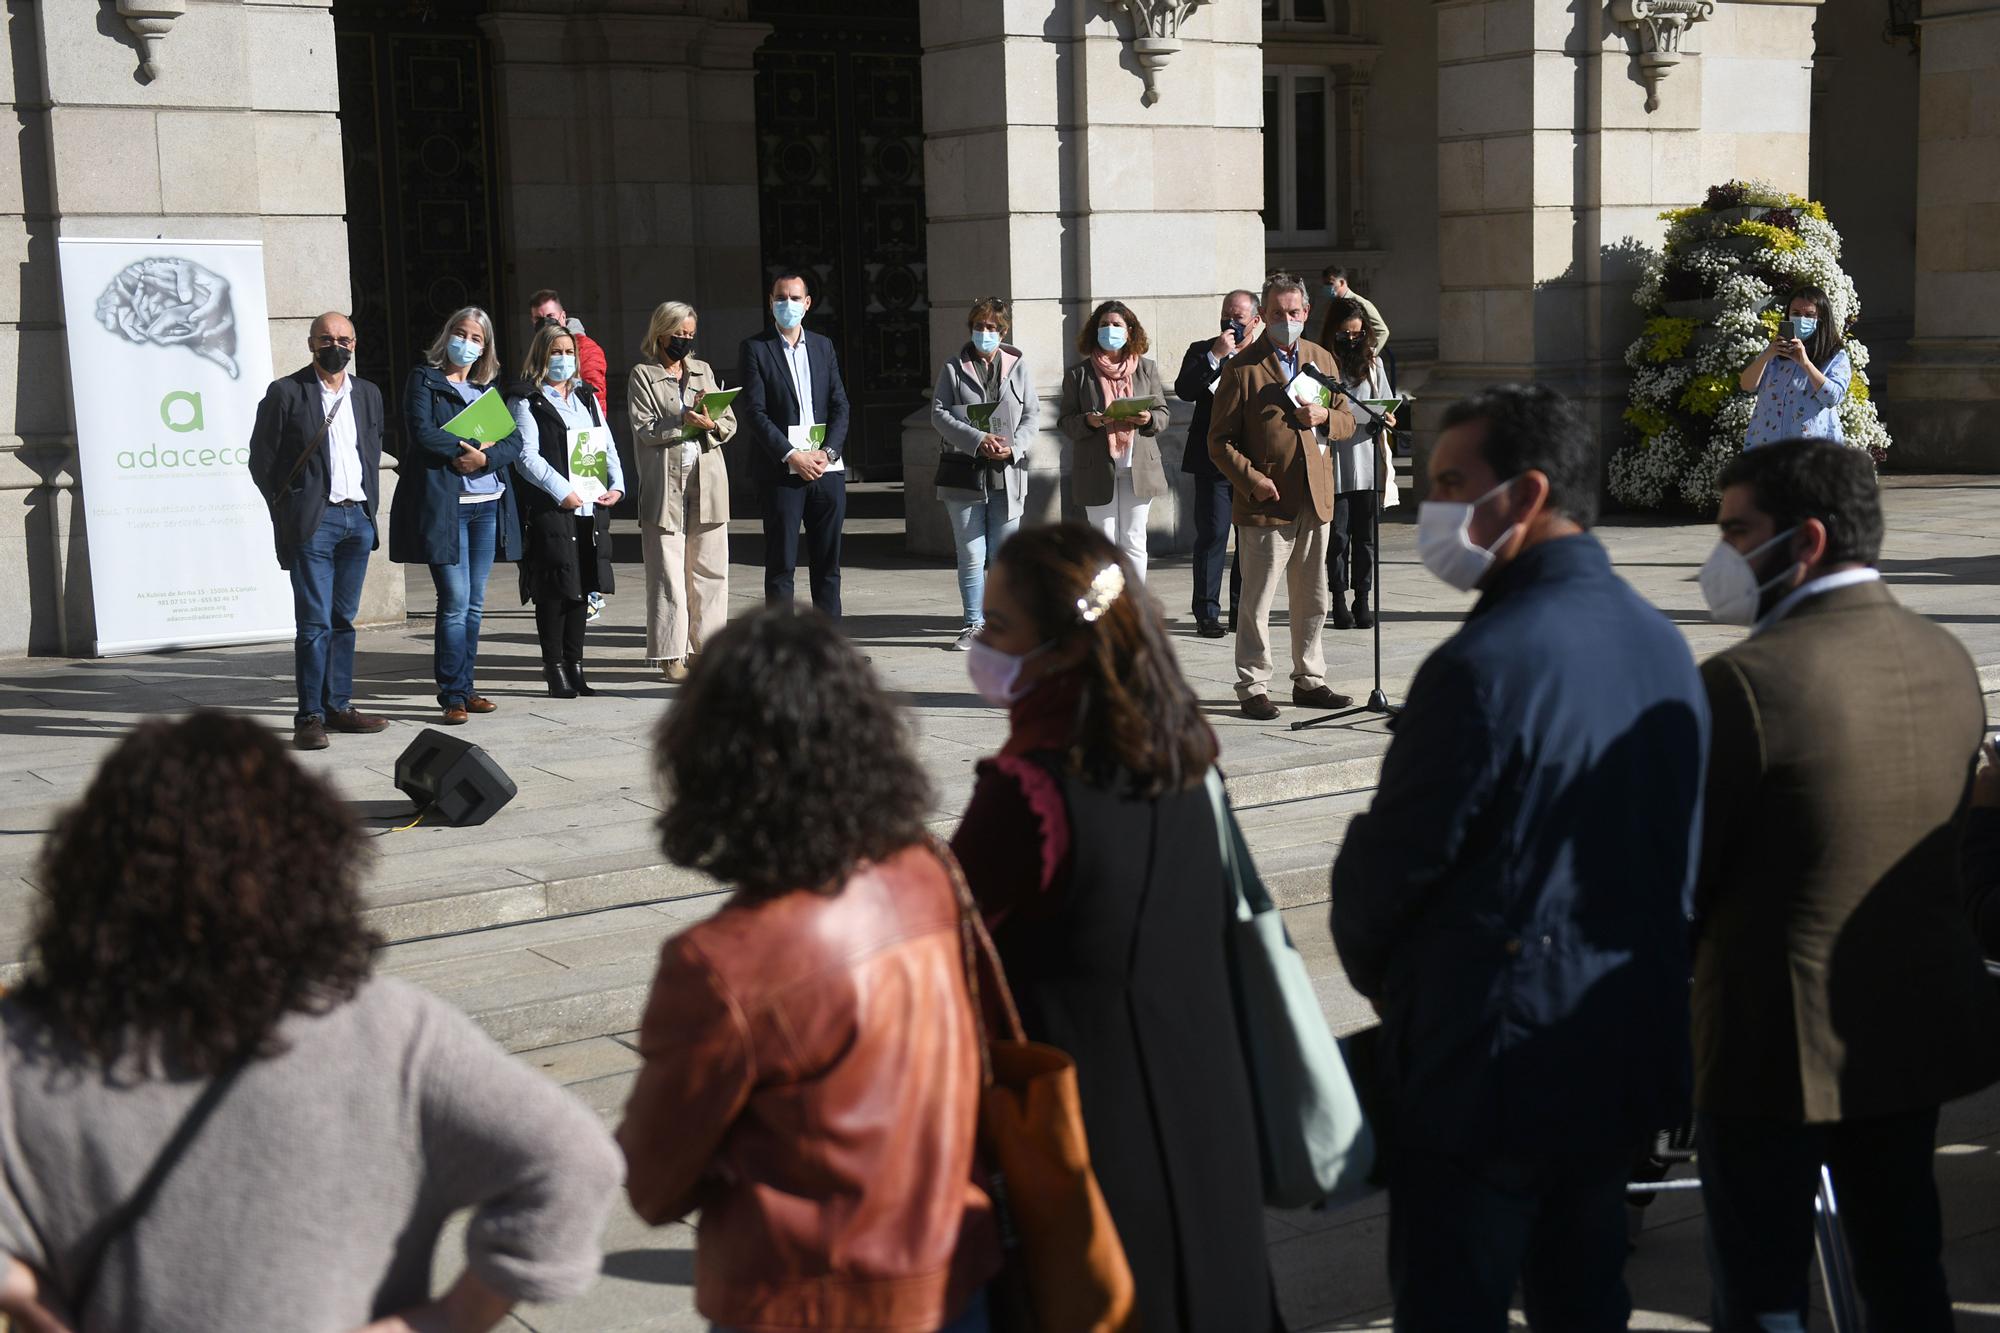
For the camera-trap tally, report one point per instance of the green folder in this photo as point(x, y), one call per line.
point(981, 415)
point(483, 421)
point(713, 405)
point(1124, 409)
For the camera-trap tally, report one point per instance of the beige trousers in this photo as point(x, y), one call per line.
point(1296, 552)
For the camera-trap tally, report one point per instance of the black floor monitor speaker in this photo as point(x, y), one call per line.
point(453, 780)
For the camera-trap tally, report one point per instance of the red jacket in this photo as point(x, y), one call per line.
point(590, 363)
point(811, 1084)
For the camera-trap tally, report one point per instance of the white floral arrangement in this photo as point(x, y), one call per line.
point(1713, 299)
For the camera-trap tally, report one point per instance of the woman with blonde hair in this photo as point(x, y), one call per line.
point(683, 489)
point(565, 539)
point(449, 512)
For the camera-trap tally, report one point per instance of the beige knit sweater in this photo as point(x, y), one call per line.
point(312, 1200)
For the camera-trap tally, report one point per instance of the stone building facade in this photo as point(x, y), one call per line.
point(1487, 169)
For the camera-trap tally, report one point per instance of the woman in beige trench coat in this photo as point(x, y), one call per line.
point(683, 490)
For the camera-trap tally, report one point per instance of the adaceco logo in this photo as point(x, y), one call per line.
point(180, 412)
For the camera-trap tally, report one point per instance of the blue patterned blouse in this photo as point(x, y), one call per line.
point(1789, 408)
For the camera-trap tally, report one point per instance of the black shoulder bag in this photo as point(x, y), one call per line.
point(135, 1207)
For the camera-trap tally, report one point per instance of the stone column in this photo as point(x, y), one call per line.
point(208, 119)
point(1072, 158)
point(1939, 402)
point(1562, 135)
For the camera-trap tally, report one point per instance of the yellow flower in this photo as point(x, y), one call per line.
point(1704, 395)
point(1667, 338)
point(1776, 237)
point(1857, 388)
point(1648, 421)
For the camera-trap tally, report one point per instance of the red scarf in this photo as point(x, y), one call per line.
point(1044, 718)
point(1114, 381)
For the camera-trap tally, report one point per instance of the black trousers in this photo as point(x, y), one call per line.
point(559, 623)
point(1463, 1231)
point(1350, 551)
point(1758, 1179)
point(822, 507)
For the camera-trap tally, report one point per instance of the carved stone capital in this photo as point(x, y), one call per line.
point(1659, 25)
point(1156, 32)
point(149, 21)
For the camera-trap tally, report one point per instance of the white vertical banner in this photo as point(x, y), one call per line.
point(169, 355)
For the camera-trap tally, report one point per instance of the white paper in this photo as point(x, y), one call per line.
point(589, 469)
point(800, 437)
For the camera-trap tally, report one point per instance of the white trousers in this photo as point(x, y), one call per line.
point(1124, 522)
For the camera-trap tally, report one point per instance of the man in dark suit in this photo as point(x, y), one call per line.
point(1515, 900)
point(316, 454)
point(1201, 368)
point(1838, 992)
point(797, 423)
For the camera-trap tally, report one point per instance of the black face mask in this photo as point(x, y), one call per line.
point(678, 348)
point(333, 359)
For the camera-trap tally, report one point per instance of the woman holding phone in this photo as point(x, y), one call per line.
point(1801, 379)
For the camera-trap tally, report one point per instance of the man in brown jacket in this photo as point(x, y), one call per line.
point(1273, 450)
point(1838, 993)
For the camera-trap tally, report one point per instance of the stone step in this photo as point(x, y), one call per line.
point(545, 982)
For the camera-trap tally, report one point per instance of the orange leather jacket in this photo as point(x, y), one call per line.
point(811, 1084)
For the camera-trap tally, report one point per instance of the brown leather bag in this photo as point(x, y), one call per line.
point(1065, 1267)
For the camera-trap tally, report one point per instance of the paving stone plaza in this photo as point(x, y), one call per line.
point(545, 922)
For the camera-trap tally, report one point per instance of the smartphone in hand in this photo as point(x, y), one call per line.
point(1787, 330)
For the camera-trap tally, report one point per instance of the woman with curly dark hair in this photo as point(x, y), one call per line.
point(811, 1074)
point(213, 1118)
point(1091, 847)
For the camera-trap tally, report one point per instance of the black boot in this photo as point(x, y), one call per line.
point(573, 673)
point(1364, 617)
point(1338, 612)
point(560, 686)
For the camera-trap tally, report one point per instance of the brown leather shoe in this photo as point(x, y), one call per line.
point(674, 672)
point(1320, 696)
point(1259, 708)
point(479, 703)
point(356, 723)
point(454, 716)
point(309, 735)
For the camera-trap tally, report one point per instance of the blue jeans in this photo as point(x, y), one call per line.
point(1758, 1179)
point(977, 529)
point(327, 572)
point(1464, 1229)
point(976, 1319)
point(461, 601)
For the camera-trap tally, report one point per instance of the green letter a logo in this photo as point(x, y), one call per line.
point(193, 420)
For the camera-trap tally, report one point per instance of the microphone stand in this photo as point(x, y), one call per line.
point(1378, 702)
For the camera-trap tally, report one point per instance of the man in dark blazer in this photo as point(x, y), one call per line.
point(796, 421)
point(1839, 995)
point(1200, 369)
point(316, 454)
point(1515, 900)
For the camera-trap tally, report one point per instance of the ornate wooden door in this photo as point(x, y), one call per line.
point(840, 162)
point(417, 138)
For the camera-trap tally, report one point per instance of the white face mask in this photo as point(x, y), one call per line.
point(1286, 332)
point(997, 675)
point(1729, 582)
point(1444, 540)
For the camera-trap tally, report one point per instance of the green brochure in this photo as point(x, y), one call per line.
point(981, 415)
point(713, 405)
point(589, 467)
point(1124, 409)
point(485, 420)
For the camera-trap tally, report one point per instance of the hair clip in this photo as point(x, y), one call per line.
point(1105, 589)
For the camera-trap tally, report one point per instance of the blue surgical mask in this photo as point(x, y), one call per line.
point(788, 314)
point(1807, 325)
point(985, 341)
point(1111, 337)
point(562, 368)
point(463, 351)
